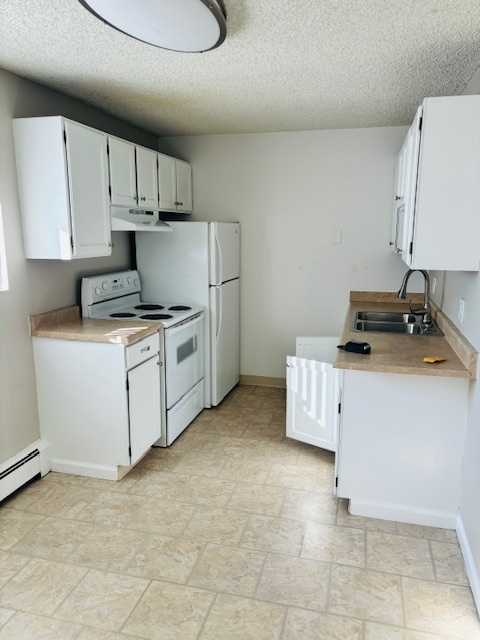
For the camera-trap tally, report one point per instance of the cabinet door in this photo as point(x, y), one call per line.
point(147, 178)
point(122, 172)
point(312, 402)
point(410, 185)
point(167, 181)
point(144, 407)
point(87, 165)
point(184, 186)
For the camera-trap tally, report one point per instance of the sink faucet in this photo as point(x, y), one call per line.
point(425, 312)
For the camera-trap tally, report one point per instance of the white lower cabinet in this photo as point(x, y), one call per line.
point(401, 446)
point(313, 393)
point(99, 403)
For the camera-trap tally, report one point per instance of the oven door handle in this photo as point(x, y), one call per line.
point(189, 322)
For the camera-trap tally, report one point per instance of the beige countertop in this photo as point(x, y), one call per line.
point(396, 353)
point(67, 324)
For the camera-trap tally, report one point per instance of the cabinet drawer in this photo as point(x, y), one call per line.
point(142, 350)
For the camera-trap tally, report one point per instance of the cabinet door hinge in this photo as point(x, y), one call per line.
point(420, 123)
point(65, 136)
point(108, 149)
point(336, 482)
point(130, 451)
point(339, 407)
point(128, 386)
point(410, 250)
point(71, 242)
point(110, 191)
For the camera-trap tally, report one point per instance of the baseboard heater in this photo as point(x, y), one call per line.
point(19, 469)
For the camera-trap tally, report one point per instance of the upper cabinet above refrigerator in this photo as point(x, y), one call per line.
point(436, 221)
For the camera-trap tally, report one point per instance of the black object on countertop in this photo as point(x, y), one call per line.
point(356, 347)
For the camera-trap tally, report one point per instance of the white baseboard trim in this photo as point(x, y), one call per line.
point(23, 466)
point(400, 513)
point(472, 572)
point(86, 469)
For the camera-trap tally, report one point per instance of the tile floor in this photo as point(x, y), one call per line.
point(230, 534)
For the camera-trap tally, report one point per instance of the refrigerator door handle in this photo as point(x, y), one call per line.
point(218, 310)
point(218, 261)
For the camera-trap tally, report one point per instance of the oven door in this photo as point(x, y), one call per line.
point(184, 358)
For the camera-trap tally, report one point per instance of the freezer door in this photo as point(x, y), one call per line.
point(224, 252)
point(224, 339)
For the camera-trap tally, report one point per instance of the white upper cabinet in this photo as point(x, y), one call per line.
point(175, 184)
point(436, 222)
point(133, 175)
point(63, 180)
point(123, 183)
point(147, 178)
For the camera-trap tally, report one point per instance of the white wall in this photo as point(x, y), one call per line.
point(37, 285)
point(289, 191)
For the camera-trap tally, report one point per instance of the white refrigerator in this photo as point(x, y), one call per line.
point(199, 263)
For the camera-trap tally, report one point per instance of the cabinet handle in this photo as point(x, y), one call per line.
point(143, 198)
point(179, 203)
point(145, 349)
point(398, 197)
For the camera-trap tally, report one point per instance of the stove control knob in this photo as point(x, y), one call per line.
point(97, 291)
point(129, 279)
point(136, 282)
point(104, 285)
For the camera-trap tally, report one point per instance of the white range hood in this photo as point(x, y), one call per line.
point(124, 219)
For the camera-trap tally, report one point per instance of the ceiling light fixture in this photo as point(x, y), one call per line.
point(178, 25)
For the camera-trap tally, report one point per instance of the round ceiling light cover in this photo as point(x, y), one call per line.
point(179, 25)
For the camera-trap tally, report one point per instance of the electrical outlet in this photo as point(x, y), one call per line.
point(461, 309)
point(434, 285)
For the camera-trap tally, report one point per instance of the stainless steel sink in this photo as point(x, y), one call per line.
point(391, 322)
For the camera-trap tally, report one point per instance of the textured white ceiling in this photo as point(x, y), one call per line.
point(285, 65)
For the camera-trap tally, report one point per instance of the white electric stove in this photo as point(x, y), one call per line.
point(117, 296)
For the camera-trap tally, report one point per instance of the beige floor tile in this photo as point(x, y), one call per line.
point(97, 484)
point(231, 447)
point(295, 581)
point(52, 539)
point(429, 533)
point(165, 558)
point(291, 476)
point(204, 464)
point(160, 516)
point(245, 470)
point(440, 608)
point(212, 524)
point(10, 565)
point(97, 634)
point(113, 509)
point(330, 543)
point(374, 524)
point(399, 554)
point(169, 612)
point(325, 481)
point(310, 625)
point(228, 569)
point(106, 548)
point(102, 600)
point(26, 626)
point(278, 452)
point(40, 586)
point(213, 492)
point(57, 499)
point(374, 631)
point(264, 432)
point(266, 500)
point(273, 534)
point(309, 456)
point(191, 441)
point(449, 563)
point(359, 593)
point(307, 505)
point(161, 484)
point(224, 426)
point(14, 525)
point(5, 615)
point(160, 459)
point(238, 618)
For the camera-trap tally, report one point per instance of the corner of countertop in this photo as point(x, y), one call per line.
point(54, 317)
point(383, 296)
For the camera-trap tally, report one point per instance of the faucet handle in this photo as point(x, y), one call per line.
point(417, 312)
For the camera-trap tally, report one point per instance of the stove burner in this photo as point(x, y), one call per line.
point(179, 307)
point(149, 307)
point(156, 316)
point(122, 315)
